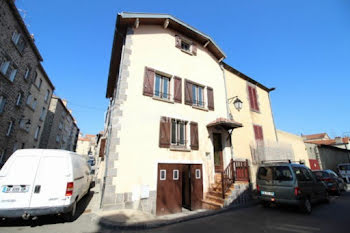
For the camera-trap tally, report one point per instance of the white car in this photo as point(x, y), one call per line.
point(344, 171)
point(35, 182)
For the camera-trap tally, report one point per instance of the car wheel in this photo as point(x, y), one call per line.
point(337, 192)
point(69, 217)
point(306, 206)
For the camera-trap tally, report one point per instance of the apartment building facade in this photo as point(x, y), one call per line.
point(60, 129)
point(19, 58)
point(164, 116)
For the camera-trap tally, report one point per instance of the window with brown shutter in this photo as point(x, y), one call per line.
point(210, 94)
point(177, 89)
point(188, 93)
point(178, 42)
point(194, 136)
point(164, 132)
point(258, 133)
point(102, 147)
point(253, 99)
point(148, 82)
point(185, 45)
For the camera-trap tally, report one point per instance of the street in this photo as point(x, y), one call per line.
point(325, 218)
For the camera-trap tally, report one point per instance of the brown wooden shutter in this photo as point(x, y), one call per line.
point(188, 93)
point(177, 89)
point(194, 49)
point(210, 94)
point(164, 132)
point(258, 132)
point(251, 100)
point(177, 42)
point(255, 99)
point(102, 147)
point(148, 82)
point(194, 136)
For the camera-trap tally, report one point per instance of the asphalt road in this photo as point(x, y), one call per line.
point(327, 218)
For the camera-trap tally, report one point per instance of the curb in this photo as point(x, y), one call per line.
point(160, 223)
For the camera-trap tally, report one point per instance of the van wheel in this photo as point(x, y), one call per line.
point(306, 206)
point(69, 217)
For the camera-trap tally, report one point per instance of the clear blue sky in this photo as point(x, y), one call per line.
point(300, 47)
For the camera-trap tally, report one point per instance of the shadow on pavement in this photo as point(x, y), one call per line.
point(48, 219)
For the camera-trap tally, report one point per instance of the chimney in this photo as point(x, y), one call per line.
point(338, 140)
point(32, 36)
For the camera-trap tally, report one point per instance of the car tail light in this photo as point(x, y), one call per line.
point(69, 190)
point(297, 191)
point(258, 188)
point(327, 179)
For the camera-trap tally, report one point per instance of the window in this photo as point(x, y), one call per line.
point(198, 173)
point(8, 69)
point(42, 114)
point(38, 83)
point(29, 99)
point(175, 174)
point(34, 103)
point(278, 173)
point(19, 99)
point(2, 155)
point(178, 132)
point(58, 138)
point(26, 75)
point(300, 174)
point(2, 103)
point(253, 98)
point(258, 132)
point(9, 128)
point(47, 95)
point(37, 131)
point(18, 40)
point(197, 95)
point(162, 87)
point(162, 175)
point(60, 126)
point(185, 46)
point(22, 123)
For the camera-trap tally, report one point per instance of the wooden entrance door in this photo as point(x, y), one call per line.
point(218, 160)
point(169, 189)
point(196, 186)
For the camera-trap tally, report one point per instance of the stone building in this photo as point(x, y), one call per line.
point(60, 128)
point(37, 104)
point(19, 58)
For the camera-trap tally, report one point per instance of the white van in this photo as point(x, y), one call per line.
point(36, 182)
point(344, 171)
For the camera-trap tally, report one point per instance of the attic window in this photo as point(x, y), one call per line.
point(185, 46)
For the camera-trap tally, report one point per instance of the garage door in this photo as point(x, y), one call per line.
point(169, 189)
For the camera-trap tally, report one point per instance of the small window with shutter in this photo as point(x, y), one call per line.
point(253, 98)
point(185, 45)
point(258, 132)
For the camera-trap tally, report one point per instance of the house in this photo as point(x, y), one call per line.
point(316, 137)
point(20, 126)
point(168, 115)
point(60, 129)
point(86, 145)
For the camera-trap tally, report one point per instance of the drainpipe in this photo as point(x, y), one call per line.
point(109, 128)
point(228, 113)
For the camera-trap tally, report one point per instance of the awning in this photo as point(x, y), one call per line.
point(224, 123)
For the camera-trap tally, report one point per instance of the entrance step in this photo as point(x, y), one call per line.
point(211, 205)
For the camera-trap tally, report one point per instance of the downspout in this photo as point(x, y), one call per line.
point(228, 114)
point(110, 122)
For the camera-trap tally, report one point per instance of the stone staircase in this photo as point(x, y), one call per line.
point(237, 193)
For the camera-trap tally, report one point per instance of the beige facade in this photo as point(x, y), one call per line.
point(37, 104)
point(86, 145)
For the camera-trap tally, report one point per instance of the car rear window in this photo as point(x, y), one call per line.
point(279, 173)
point(344, 167)
point(321, 174)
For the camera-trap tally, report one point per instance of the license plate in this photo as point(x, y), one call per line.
point(267, 193)
point(15, 189)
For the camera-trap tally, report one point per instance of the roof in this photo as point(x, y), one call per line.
point(24, 28)
point(329, 141)
point(315, 136)
point(225, 123)
point(245, 77)
point(126, 19)
point(46, 76)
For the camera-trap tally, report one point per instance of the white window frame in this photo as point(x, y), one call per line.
point(26, 75)
point(5, 66)
point(160, 174)
point(48, 92)
point(15, 37)
point(2, 103)
point(43, 113)
point(19, 98)
point(39, 83)
point(9, 129)
point(29, 99)
point(198, 173)
point(195, 93)
point(176, 174)
point(178, 125)
point(37, 132)
point(161, 91)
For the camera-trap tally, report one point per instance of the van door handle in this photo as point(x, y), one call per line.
point(37, 188)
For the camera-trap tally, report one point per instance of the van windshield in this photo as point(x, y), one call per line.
point(279, 173)
point(344, 167)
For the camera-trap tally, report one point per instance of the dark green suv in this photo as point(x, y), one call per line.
point(289, 183)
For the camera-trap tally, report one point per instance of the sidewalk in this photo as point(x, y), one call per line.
point(137, 220)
